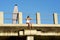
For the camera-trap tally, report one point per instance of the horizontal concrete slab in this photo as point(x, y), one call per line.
point(48, 34)
point(21, 33)
point(39, 33)
point(8, 34)
point(33, 25)
point(30, 32)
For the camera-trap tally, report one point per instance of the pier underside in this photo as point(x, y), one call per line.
point(35, 38)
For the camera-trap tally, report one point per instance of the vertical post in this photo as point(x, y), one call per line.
point(55, 18)
point(38, 21)
point(15, 14)
point(20, 18)
point(30, 37)
point(1, 17)
point(14, 18)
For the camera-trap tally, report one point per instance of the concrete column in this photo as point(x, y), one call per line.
point(21, 33)
point(38, 21)
point(1, 17)
point(20, 18)
point(14, 21)
point(55, 18)
point(15, 14)
point(30, 37)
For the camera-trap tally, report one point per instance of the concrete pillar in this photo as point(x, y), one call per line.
point(14, 22)
point(38, 21)
point(55, 18)
point(20, 18)
point(15, 18)
point(15, 14)
point(1, 17)
point(21, 33)
point(30, 37)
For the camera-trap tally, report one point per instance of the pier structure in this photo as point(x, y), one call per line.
point(21, 29)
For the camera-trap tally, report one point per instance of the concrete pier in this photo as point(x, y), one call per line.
point(30, 37)
point(18, 28)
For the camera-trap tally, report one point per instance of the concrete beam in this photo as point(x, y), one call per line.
point(30, 32)
point(48, 33)
point(38, 33)
point(8, 34)
point(55, 18)
point(38, 20)
point(20, 18)
point(1, 18)
point(30, 37)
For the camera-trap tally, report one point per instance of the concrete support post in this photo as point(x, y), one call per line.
point(15, 14)
point(14, 21)
point(21, 33)
point(30, 37)
point(55, 18)
point(1, 17)
point(38, 21)
point(20, 18)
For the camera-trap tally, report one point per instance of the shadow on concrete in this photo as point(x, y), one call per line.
point(13, 38)
point(47, 38)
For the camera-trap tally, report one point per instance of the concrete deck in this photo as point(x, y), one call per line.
point(33, 25)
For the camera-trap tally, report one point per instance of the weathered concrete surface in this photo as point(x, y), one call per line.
point(20, 18)
point(30, 37)
point(55, 18)
point(41, 27)
point(1, 17)
point(30, 32)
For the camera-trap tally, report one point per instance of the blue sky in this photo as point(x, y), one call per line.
point(30, 7)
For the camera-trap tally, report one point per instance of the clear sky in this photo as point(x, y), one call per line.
point(30, 7)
